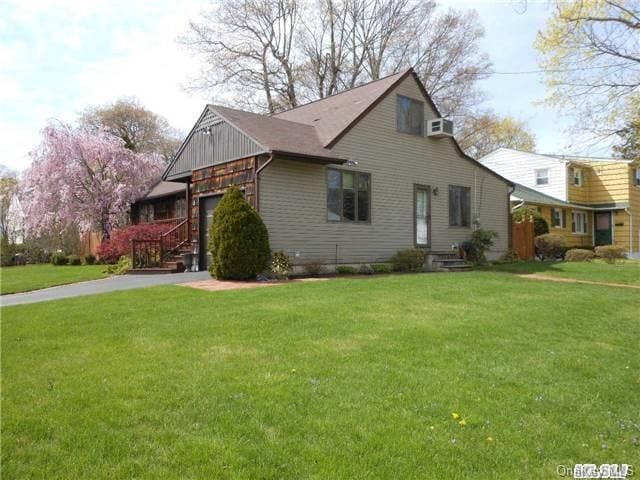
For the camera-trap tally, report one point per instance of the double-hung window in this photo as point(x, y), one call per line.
point(637, 177)
point(579, 222)
point(557, 217)
point(542, 176)
point(576, 177)
point(348, 196)
point(459, 206)
point(409, 115)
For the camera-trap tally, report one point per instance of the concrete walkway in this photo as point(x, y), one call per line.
point(111, 284)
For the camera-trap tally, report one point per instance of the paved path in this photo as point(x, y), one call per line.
point(538, 276)
point(110, 284)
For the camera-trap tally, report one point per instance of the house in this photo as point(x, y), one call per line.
point(589, 201)
point(348, 179)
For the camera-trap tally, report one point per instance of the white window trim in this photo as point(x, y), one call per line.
point(537, 173)
point(561, 224)
point(585, 223)
point(636, 177)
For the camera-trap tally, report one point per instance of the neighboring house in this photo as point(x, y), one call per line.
point(351, 178)
point(590, 201)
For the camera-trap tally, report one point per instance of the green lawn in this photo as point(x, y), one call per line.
point(349, 378)
point(623, 271)
point(34, 277)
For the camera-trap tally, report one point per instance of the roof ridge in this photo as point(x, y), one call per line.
point(341, 92)
point(263, 115)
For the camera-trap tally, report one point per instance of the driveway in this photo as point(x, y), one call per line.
point(92, 287)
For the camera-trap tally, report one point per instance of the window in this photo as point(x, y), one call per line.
point(579, 223)
point(421, 208)
point(348, 196)
point(557, 217)
point(542, 176)
point(459, 206)
point(576, 176)
point(637, 177)
point(409, 115)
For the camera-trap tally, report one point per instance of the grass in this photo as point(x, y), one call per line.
point(623, 271)
point(348, 378)
point(35, 277)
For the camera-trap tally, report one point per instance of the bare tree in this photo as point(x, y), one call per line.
point(250, 44)
point(591, 55)
point(280, 51)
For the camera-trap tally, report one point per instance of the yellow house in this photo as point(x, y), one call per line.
point(589, 201)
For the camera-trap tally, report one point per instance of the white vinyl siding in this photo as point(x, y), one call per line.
point(520, 167)
point(293, 200)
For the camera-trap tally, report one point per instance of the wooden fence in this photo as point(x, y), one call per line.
point(523, 239)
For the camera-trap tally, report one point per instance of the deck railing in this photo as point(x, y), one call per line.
point(152, 253)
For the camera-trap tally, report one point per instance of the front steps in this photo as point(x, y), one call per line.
point(172, 265)
point(447, 262)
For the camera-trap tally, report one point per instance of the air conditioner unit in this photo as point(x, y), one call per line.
point(439, 127)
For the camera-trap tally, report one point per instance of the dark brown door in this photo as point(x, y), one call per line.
point(603, 229)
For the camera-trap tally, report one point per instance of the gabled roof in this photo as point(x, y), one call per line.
point(330, 116)
point(279, 136)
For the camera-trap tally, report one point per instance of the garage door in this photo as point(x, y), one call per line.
point(207, 207)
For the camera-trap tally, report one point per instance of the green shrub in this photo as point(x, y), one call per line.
point(74, 260)
point(346, 270)
point(610, 253)
point(549, 245)
point(238, 240)
point(381, 268)
point(59, 259)
point(510, 257)
point(313, 268)
point(90, 259)
point(365, 270)
point(7, 252)
point(475, 248)
point(281, 265)
point(123, 266)
point(408, 260)
point(579, 255)
point(540, 225)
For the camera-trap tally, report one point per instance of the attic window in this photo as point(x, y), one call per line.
point(409, 115)
point(576, 177)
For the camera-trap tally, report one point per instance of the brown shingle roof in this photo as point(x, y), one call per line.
point(163, 189)
point(332, 115)
point(278, 135)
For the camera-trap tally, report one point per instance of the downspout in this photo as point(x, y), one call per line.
point(626, 210)
point(512, 189)
point(256, 181)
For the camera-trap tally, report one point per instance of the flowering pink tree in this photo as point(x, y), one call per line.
point(85, 179)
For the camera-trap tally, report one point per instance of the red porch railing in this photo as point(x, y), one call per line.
point(152, 253)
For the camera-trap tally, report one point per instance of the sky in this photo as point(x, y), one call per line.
point(59, 56)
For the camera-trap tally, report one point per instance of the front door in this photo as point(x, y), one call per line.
point(207, 207)
point(603, 229)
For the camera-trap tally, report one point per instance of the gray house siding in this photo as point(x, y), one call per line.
point(223, 144)
point(293, 194)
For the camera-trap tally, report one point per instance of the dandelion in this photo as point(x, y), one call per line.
point(456, 416)
point(461, 422)
point(490, 439)
point(432, 427)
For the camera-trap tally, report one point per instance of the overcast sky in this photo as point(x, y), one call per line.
point(59, 56)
